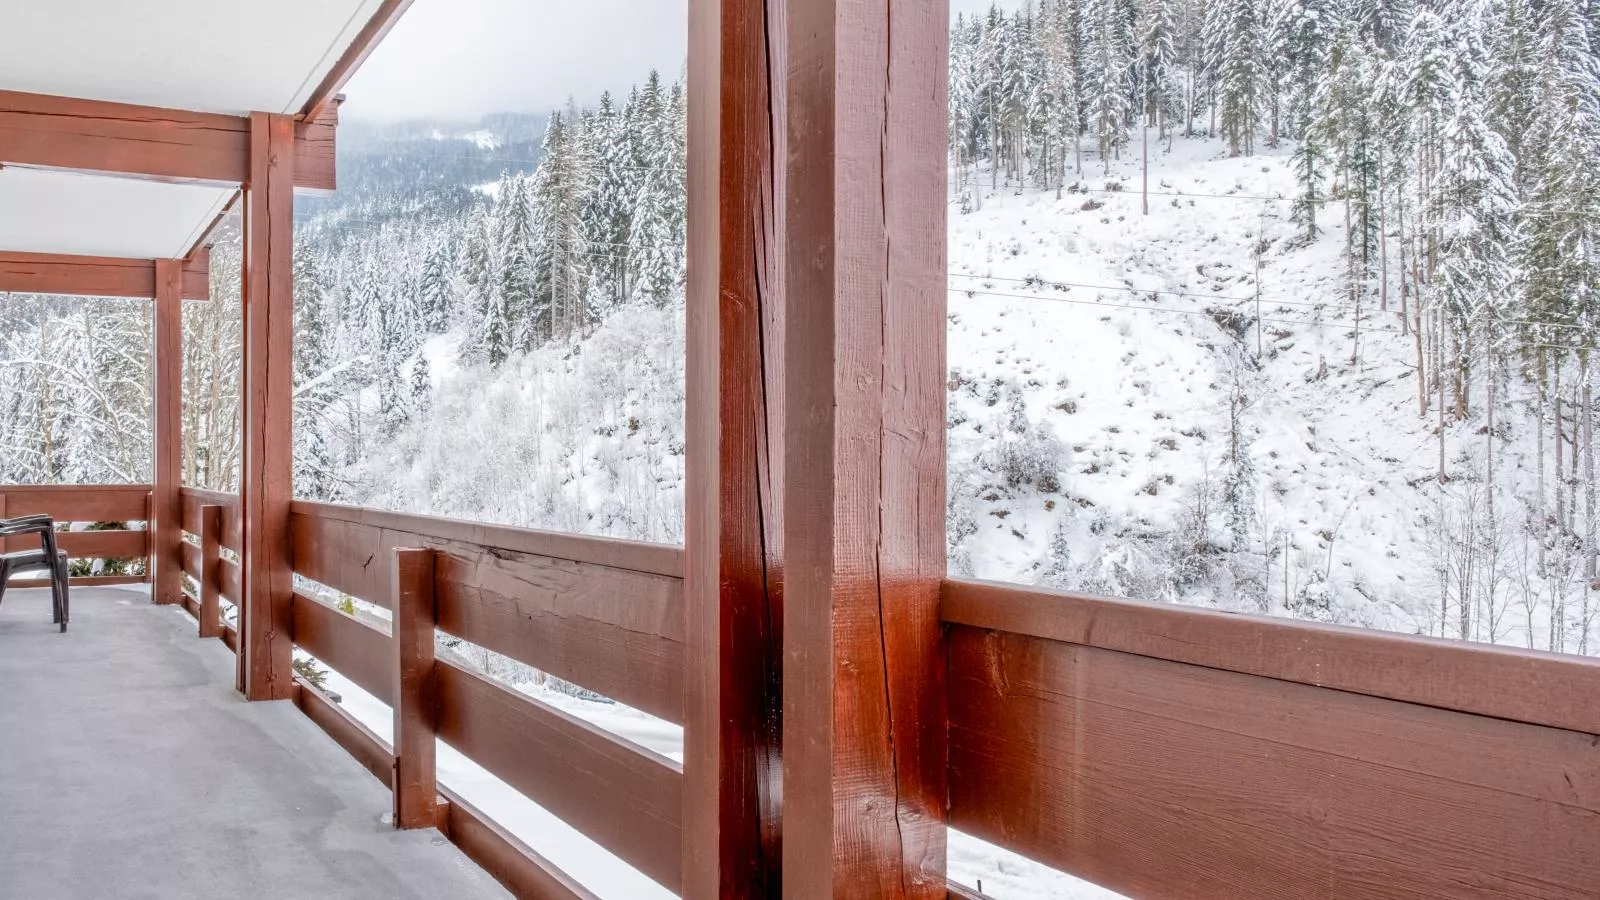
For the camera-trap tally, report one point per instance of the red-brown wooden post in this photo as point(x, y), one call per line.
point(864, 748)
point(166, 504)
point(210, 577)
point(734, 570)
point(415, 778)
point(265, 618)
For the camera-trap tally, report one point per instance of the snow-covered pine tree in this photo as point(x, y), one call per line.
point(1241, 75)
point(656, 241)
point(1107, 72)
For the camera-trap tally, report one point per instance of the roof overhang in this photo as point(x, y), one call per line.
point(125, 127)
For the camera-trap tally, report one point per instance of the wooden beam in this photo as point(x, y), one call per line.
point(416, 781)
point(267, 476)
point(147, 142)
point(367, 40)
point(98, 276)
point(734, 511)
point(1554, 689)
point(864, 738)
point(79, 502)
point(166, 502)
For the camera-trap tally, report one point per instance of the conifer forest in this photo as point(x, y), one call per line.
point(1275, 306)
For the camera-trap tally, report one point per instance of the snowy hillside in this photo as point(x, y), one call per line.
point(1099, 360)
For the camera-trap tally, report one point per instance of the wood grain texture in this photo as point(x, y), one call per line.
point(615, 631)
point(209, 580)
point(232, 520)
point(622, 796)
point(1523, 685)
point(230, 581)
point(190, 555)
point(97, 276)
point(638, 556)
point(134, 141)
point(366, 40)
point(1165, 780)
point(864, 743)
point(79, 503)
point(347, 645)
point(81, 581)
point(416, 780)
point(102, 544)
point(733, 511)
point(166, 504)
point(267, 471)
point(357, 739)
point(522, 870)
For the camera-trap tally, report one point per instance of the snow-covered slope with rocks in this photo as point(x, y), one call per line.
point(1099, 360)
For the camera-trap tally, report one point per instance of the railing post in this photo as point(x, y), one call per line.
point(267, 380)
point(166, 502)
point(734, 514)
point(864, 760)
point(210, 574)
point(415, 778)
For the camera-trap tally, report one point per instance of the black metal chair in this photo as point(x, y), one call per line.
point(48, 558)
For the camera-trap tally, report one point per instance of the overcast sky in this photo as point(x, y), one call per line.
point(459, 59)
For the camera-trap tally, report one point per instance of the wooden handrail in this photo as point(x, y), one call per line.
point(639, 556)
point(1531, 686)
point(1174, 752)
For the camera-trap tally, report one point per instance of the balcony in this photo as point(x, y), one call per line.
point(847, 711)
point(1160, 750)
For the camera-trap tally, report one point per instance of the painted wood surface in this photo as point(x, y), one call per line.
point(209, 580)
point(144, 142)
point(615, 631)
point(194, 499)
point(734, 510)
point(416, 780)
point(1551, 689)
point(166, 504)
point(523, 871)
point(267, 471)
point(863, 689)
point(353, 648)
point(98, 276)
point(626, 798)
point(79, 502)
point(1168, 780)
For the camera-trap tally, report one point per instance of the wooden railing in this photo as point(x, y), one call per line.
point(1160, 751)
point(77, 505)
point(212, 524)
point(1164, 751)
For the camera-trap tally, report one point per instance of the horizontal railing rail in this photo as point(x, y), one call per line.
point(1165, 751)
point(77, 506)
point(603, 614)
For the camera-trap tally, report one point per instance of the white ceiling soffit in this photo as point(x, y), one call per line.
point(225, 56)
point(44, 211)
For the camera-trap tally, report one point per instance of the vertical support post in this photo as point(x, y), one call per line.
point(166, 524)
point(863, 691)
point(734, 530)
point(210, 575)
point(415, 777)
point(265, 625)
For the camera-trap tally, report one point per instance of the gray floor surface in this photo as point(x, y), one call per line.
point(129, 768)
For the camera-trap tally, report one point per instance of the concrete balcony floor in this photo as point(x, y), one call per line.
point(130, 768)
